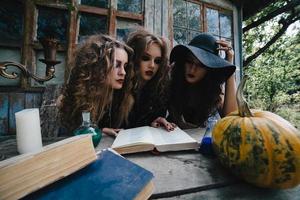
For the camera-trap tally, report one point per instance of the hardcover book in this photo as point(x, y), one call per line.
point(147, 138)
point(109, 177)
point(26, 173)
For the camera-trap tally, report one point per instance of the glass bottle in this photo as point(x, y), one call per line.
point(89, 128)
point(206, 142)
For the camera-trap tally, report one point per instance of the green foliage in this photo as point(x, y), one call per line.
point(275, 75)
point(273, 6)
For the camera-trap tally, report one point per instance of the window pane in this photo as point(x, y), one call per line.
point(52, 23)
point(91, 24)
point(212, 21)
point(11, 21)
point(192, 34)
point(96, 3)
point(124, 27)
point(179, 13)
point(180, 36)
point(194, 16)
point(226, 23)
point(135, 6)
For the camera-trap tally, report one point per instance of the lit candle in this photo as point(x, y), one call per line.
point(29, 138)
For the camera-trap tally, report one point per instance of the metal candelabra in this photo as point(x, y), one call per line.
point(50, 46)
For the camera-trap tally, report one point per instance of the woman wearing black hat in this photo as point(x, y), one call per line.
point(197, 81)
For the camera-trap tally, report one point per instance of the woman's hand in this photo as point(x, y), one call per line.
point(225, 46)
point(111, 131)
point(161, 121)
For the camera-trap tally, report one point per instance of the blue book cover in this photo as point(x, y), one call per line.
point(109, 177)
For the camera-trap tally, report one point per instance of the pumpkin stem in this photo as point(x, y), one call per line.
point(243, 107)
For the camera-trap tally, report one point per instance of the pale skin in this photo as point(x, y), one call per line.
point(149, 65)
point(116, 79)
point(150, 62)
point(195, 71)
point(116, 76)
point(229, 98)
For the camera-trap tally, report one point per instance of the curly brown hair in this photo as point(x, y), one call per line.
point(87, 90)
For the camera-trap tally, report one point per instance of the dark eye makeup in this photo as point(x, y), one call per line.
point(146, 58)
point(119, 64)
point(157, 60)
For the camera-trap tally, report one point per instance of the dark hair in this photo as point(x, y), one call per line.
point(86, 89)
point(201, 102)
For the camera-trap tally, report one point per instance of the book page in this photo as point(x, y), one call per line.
point(173, 140)
point(133, 136)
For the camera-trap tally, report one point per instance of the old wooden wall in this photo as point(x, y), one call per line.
point(11, 102)
point(157, 16)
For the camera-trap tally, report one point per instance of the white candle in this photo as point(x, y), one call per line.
point(29, 138)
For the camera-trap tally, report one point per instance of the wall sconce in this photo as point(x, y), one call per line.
point(50, 46)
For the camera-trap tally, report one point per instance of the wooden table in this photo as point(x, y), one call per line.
point(183, 175)
point(191, 175)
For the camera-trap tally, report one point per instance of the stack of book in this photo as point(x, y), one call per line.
point(71, 169)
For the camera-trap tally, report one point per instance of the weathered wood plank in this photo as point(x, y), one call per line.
point(165, 18)
point(3, 113)
point(178, 172)
point(29, 99)
point(30, 27)
point(242, 191)
point(49, 112)
point(149, 15)
point(8, 145)
point(16, 103)
point(33, 100)
point(157, 17)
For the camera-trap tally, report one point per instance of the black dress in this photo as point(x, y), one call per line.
point(147, 107)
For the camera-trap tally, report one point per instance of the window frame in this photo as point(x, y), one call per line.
point(203, 7)
point(30, 19)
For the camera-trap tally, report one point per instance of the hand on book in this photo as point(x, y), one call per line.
point(162, 122)
point(111, 131)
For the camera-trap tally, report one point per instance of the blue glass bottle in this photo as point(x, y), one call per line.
point(89, 128)
point(206, 142)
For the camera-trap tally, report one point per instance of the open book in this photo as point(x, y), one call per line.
point(147, 138)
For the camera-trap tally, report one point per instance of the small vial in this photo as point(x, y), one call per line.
point(206, 142)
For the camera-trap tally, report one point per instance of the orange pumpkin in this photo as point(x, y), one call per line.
point(258, 146)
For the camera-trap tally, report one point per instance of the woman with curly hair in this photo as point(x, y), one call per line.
point(151, 80)
point(99, 83)
point(198, 77)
